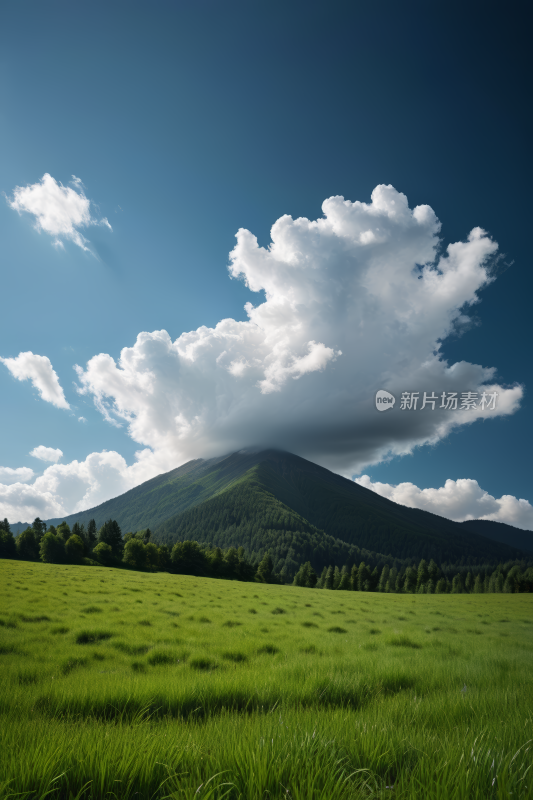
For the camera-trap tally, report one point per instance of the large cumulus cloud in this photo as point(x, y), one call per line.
point(353, 302)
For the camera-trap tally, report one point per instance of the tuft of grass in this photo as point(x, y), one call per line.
point(91, 610)
point(237, 658)
point(90, 637)
point(337, 629)
point(202, 664)
point(268, 649)
point(278, 610)
point(404, 641)
point(160, 657)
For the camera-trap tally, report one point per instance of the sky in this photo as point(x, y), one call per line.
point(228, 225)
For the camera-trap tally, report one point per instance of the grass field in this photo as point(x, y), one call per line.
point(122, 684)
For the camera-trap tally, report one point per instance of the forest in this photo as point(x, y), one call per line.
point(108, 547)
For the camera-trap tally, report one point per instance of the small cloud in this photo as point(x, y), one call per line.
point(9, 476)
point(39, 370)
point(59, 210)
point(82, 419)
point(47, 453)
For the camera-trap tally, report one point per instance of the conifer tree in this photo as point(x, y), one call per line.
point(39, 529)
point(111, 534)
point(469, 583)
point(91, 534)
point(353, 578)
point(422, 574)
point(393, 577)
point(362, 576)
point(345, 579)
point(409, 584)
point(336, 578)
point(383, 578)
point(478, 585)
point(322, 580)
point(433, 572)
point(330, 574)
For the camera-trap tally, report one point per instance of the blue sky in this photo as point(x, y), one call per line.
point(187, 121)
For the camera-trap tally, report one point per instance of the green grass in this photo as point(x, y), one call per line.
point(432, 695)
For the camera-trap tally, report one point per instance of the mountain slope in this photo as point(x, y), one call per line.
point(301, 493)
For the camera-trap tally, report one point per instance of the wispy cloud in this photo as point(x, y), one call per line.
point(39, 370)
point(60, 211)
point(47, 453)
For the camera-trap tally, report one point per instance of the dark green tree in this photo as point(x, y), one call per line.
point(91, 534)
point(433, 572)
point(422, 576)
point(75, 549)
point(336, 577)
point(383, 578)
point(330, 576)
point(135, 554)
point(469, 583)
point(27, 548)
point(52, 549)
point(188, 558)
point(344, 583)
point(152, 555)
point(104, 553)
point(457, 584)
point(321, 583)
point(362, 577)
point(63, 530)
point(164, 558)
point(409, 584)
point(441, 586)
point(5, 526)
point(8, 548)
point(39, 529)
point(265, 569)
point(111, 534)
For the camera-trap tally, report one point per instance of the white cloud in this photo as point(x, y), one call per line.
point(19, 475)
point(47, 453)
point(39, 370)
point(345, 313)
point(459, 500)
point(59, 210)
point(82, 419)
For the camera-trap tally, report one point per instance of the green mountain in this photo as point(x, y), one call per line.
point(274, 500)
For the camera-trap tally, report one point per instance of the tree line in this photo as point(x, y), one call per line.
point(109, 547)
point(426, 579)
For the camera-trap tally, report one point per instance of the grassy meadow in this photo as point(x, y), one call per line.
point(122, 684)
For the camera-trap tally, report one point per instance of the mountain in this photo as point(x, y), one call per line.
point(298, 510)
